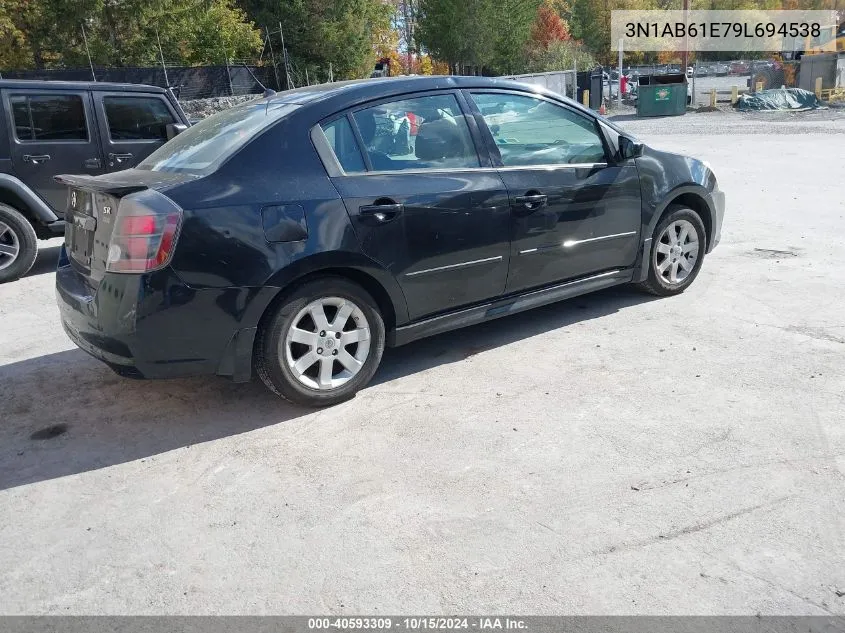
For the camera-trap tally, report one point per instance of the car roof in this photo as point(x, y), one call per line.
point(42, 84)
point(340, 95)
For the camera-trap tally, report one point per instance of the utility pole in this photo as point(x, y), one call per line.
point(285, 55)
point(619, 78)
point(87, 51)
point(273, 58)
point(685, 57)
point(161, 54)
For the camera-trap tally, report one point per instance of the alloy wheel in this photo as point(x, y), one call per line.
point(676, 252)
point(327, 343)
point(10, 246)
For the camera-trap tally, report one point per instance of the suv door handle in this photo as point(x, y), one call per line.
point(532, 201)
point(118, 158)
point(36, 159)
point(92, 163)
point(381, 213)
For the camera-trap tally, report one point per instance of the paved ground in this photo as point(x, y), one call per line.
point(613, 454)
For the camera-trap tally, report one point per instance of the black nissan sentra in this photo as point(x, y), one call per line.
point(296, 235)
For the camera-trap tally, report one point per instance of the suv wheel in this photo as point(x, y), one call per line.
point(322, 345)
point(677, 252)
point(18, 244)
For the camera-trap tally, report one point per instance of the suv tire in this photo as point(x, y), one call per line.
point(323, 343)
point(18, 244)
point(677, 252)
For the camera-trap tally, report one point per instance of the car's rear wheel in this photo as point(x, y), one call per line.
point(677, 252)
point(323, 343)
point(18, 244)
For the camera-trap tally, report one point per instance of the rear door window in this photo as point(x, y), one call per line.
point(137, 118)
point(342, 141)
point(49, 118)
point(427, 132)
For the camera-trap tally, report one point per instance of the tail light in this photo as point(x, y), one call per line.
point(145, 230)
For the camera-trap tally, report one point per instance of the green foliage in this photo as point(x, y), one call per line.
point(560, 55)
point(317, 33)
point(124, 32)
point(477, 35)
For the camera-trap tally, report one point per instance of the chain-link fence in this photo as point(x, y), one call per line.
point(189, 82)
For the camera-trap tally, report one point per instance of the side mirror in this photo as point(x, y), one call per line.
point(175, 128)
point(629, 148)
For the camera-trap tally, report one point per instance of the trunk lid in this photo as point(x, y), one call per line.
point(91, 209)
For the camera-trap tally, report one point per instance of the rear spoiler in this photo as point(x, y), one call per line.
point(112, 186)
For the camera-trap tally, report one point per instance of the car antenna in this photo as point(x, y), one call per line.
point(268, 92)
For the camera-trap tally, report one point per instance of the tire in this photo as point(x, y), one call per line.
point(18, 244)
point(659, 282)
point(279, 358)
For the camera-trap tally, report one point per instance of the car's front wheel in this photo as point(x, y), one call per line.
point(18, 244)
point(677, 252)
point(323, 343)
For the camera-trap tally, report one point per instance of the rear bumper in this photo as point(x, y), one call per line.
point(155, 326)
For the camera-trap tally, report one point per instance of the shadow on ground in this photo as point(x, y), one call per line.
point(67, 413)
point(45, 261)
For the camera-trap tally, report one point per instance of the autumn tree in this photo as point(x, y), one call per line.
point(548, 27)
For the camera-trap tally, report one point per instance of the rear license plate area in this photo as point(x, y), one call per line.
point(80, 224)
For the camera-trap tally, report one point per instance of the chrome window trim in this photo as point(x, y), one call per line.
point(476, 262)
point(443, 170)
point(325, 152)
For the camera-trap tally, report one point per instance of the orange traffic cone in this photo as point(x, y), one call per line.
point(602, 109)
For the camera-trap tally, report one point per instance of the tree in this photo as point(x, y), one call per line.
point(441, 25)
point(561, 55)
point(124, 32)
point(513, 35)
point(590, 22)
point(319, 33)
point(15, 51)
point(548, 27)
point(481, 36)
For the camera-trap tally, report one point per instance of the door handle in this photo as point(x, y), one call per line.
point(381, 213)
point(36, 159)
point(532, 201)
point(118, 158)
point(92, 163)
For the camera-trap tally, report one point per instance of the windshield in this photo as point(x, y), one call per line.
point(204, 146)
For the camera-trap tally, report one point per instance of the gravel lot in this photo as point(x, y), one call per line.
point(614, 454)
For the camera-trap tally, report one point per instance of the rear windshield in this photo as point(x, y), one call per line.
point(204, 146)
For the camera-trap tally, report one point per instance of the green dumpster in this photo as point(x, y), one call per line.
point(662, 95)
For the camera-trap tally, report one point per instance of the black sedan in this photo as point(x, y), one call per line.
point(295, 236)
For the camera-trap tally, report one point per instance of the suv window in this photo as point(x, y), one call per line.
point(531, 131)
point(49, 117)
point(345, 147)
point(420, 133)
point(137, 118)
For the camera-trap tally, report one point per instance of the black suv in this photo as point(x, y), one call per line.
point(54, 127)
point(297, 235)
